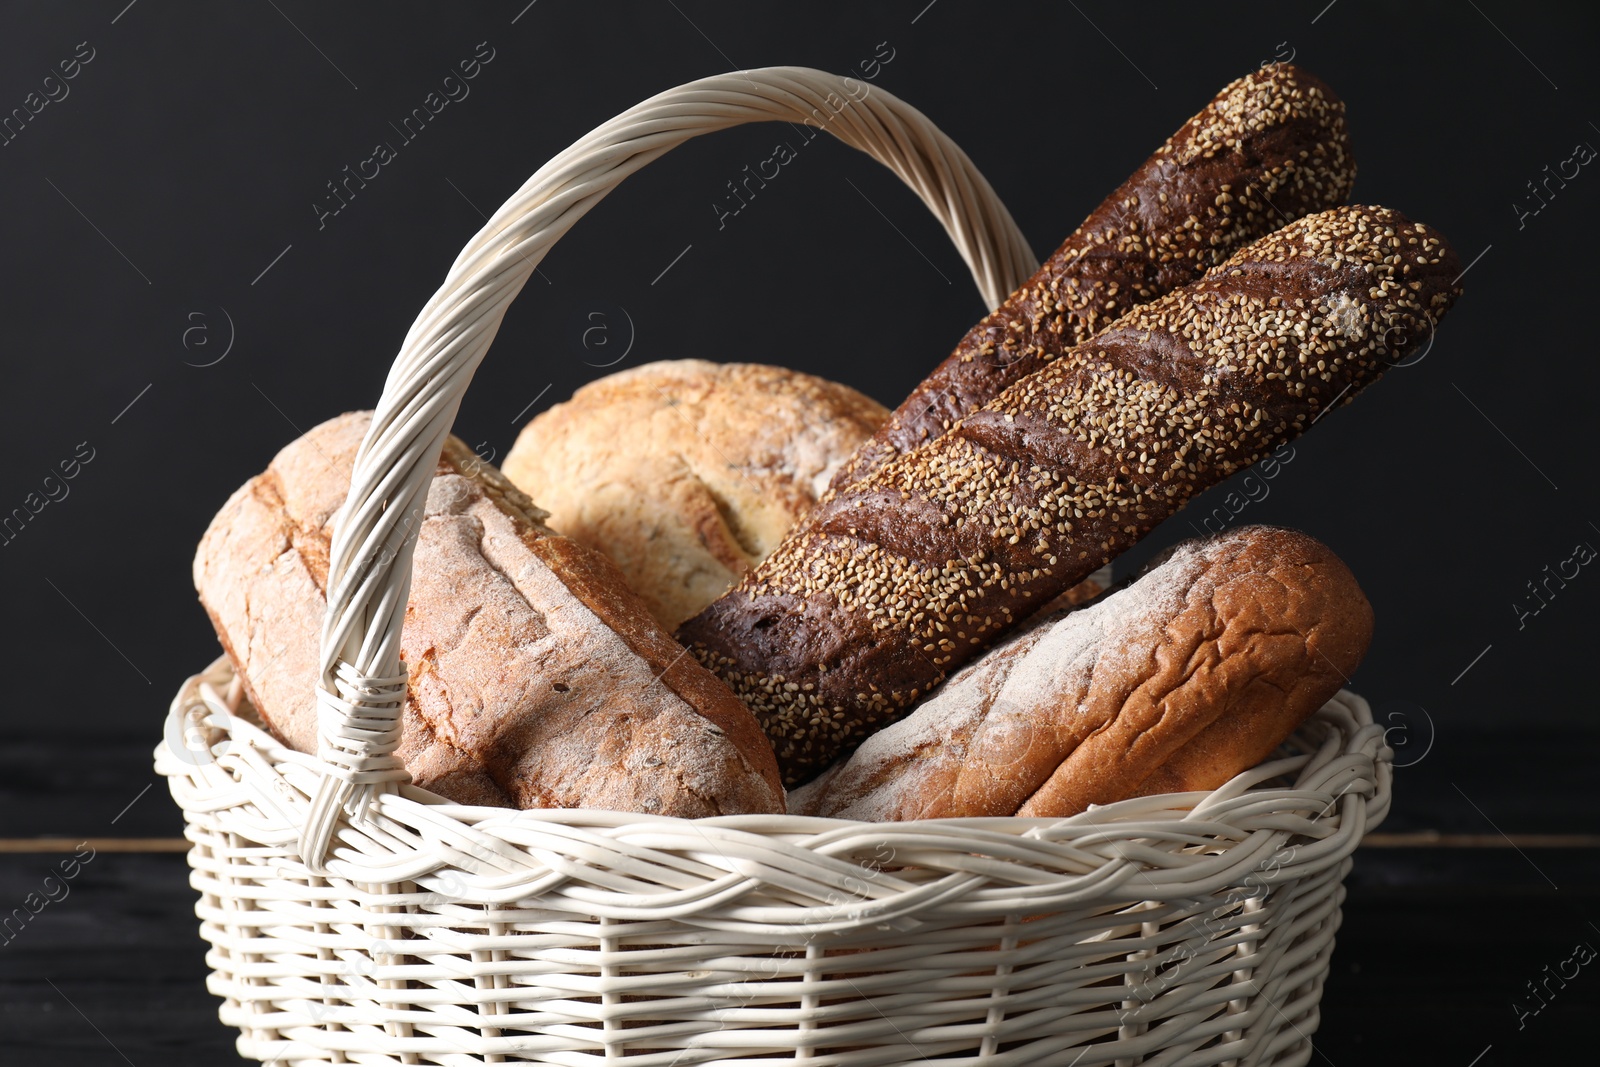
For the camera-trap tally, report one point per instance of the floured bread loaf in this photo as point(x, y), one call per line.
point(687, 472)
point(537, 679)
point(1177, 682)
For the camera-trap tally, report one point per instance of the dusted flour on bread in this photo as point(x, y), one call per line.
point(1190, 674)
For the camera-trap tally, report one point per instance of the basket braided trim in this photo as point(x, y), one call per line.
point(1192, 929)
point(772, 875)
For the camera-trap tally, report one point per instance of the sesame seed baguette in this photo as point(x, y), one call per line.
point(904, 576)
point(1178, 681)
point(1269, 148)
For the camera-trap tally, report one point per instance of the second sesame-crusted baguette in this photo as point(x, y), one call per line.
point(902, 577)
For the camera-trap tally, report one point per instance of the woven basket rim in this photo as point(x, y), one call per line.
point(1160, 847)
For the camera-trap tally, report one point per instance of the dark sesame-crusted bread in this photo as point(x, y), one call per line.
point(904, 576)
point(1175, 683)
point(1268, 149)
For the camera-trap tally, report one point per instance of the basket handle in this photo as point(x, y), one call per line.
point(362, 687)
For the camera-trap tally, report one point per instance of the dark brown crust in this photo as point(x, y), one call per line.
point(1075, 597)
point(1269, 148)
point(1186, 677)
point(909, 573)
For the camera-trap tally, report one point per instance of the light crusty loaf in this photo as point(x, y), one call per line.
point(686, 473)
point(907, 574)
point(537, 679)
point(1269, 148)
point(1194, 672)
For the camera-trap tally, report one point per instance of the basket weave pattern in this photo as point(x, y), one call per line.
point(354, 918)
point(1193, 922)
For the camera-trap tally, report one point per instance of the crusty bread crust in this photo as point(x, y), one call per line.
point(537, 679)
point(1194, 672)
point(686, 473)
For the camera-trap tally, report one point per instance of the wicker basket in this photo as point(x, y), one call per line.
point(354, 918)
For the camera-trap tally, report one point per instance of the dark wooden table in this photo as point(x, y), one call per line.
point(1479, 885)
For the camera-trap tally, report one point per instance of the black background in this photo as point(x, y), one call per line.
point(165, 208)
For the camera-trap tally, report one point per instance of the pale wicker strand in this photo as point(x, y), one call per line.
point(629, 866)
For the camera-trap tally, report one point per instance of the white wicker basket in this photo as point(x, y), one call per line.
point(354, 918)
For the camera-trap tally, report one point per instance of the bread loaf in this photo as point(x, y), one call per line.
point(536, 678)
point(686, 473)
point(1194, 672)
point(912, 571)
point(1269, 148)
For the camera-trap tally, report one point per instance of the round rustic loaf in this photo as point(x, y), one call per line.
point(687, 472)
